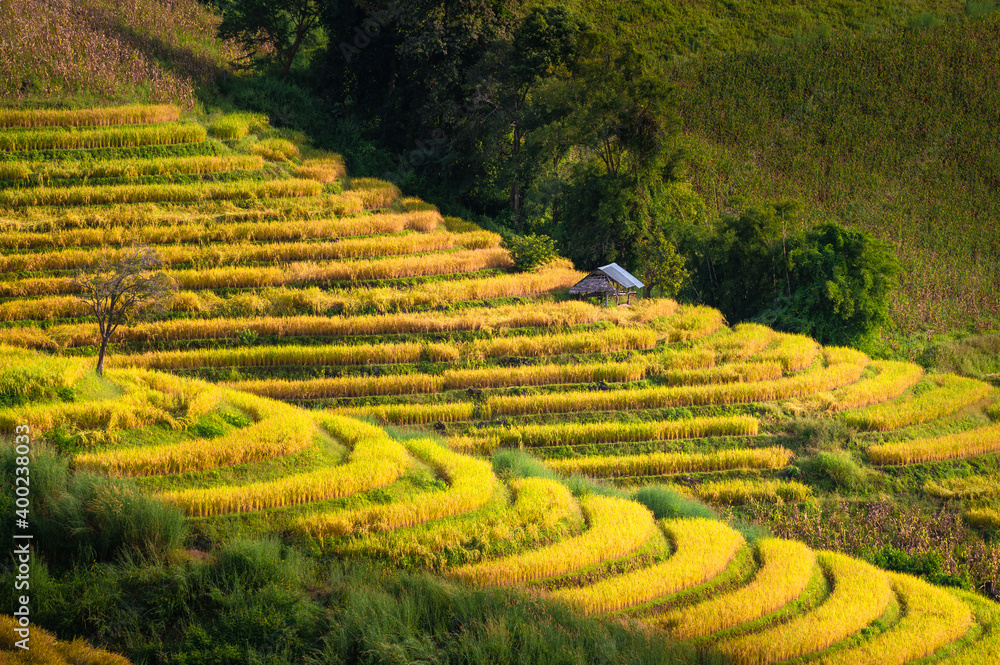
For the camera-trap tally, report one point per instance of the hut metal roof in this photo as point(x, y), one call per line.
point(602, 280)
point(621, 276)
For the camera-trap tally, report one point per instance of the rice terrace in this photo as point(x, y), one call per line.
point(614, 332)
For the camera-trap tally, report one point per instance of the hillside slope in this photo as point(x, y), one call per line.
point(300, 284)
point(892, 134)
point(75, 51)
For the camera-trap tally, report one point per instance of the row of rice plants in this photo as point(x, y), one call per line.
point(601, 341)
point(538, 509)
point(969, 443)
point(135, 114)
point(239, 190)
point(950, 394)
point(737, 491)
point(375, 461)
point(38, 309)
point(785, 569)
point(130, 168)
point(27, 376)
point(212, 231)
point(557, 275)
point(692, 322)
point(844, 366)
point(323, 169)
point(613, 339)
point(245, 252)
point(234, 126)
point(794, 352)
point(274, 356)
point(616, 527)
point(574, 434)
point(302, 272)
point(279, 430)
point(535, 315)
point(702, 549)
point(933, 619)
point(892, 379)
point(984, 518)
point(744, 340)
point(383, 299)
point(735, 372)
point(46, 648)
point(127, 412)
point(471, 484)
point(696, 357)
point(414, 414)
point(861, 593)
point(535, 375)
point(187, 212)
point(660, 464)
point(112, 137)
point(195, 397)
point(406, 384)
point(970, 487)
point(373, 193)
point(346, 386)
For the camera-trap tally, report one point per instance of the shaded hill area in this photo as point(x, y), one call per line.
point(890, 134)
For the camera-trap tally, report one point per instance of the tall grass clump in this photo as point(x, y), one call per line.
point(667, 503)
point(79, 517)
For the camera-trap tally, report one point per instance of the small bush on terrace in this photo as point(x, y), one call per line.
point(668, 503)
point(840, 468)
point(530, 252)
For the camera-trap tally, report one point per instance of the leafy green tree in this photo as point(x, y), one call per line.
point(612, 118)
point(530, 252)
point(738, 268)
point(830, 282)
point(841, 280)
point(271, 30)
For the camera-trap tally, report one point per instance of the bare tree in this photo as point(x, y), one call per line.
point(117, 289)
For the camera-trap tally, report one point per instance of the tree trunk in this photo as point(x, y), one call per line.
point(100, 356)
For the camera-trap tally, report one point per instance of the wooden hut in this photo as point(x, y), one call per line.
point(609, 280)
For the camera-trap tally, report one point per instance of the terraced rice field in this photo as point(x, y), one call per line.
point(315, 311)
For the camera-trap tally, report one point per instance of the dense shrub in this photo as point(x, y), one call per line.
point(530, 252)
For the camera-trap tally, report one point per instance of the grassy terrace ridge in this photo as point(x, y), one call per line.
point(487, 428)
